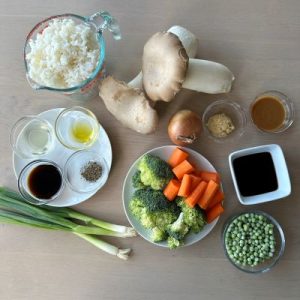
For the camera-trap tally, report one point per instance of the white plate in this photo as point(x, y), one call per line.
point(164, 153)
point(60, 154)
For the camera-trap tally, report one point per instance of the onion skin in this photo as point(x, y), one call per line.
point(184, 127)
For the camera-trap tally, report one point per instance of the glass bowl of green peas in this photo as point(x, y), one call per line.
point(253, 241)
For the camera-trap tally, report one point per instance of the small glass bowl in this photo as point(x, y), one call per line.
point(31, 137)
point(76, 164)
point(65, 125)
point(286, 103)
point(268, 264)
point(23, 182)
point(233, 110)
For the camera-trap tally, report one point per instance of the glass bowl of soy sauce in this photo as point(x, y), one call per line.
point(41, 181)
point(260, 174)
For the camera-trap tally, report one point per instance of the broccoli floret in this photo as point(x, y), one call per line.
point(178, 229)
point(174, 243)
point(155, 172)
point(192, 217)
point(158, 235)
point(154, 200)
point(159, 219)
point(147, 219)
point(163, 219)
point(136, 180)
point(153, 209)
point(136, 207)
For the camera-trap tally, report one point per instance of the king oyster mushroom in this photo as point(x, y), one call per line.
point(166, 68)
point(128, 105)
point(189, 42)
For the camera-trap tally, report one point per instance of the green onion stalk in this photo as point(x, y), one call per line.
point(14, 210)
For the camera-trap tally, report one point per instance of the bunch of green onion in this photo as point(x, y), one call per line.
point(14, 210)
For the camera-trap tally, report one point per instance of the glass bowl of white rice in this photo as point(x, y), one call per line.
point(66, 53)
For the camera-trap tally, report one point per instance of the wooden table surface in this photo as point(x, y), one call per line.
point(259, 41)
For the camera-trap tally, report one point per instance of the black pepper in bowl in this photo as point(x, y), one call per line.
point(92, 171)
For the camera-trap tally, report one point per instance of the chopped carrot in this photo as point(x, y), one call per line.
point(197, 173)
point(214, 212)
point(219, 196)
point(171, 189)
point(207, 176)
point(209, 193)
point(177, 157)
point(196, 194)
point(195, 180)
point(186, 186)
point(183, 168)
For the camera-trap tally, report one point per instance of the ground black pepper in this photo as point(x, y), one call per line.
point(92, 171)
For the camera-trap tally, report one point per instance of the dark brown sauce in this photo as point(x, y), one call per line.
point(268, 113)
point(44, 181)
point(255, 174)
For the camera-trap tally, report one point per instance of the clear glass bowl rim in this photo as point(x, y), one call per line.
point(237, 107)
point(99, 66)
point(74, 108)
point(278, 227)
point(289, 103)
point(99, 157)
point(15, 126)
point(40, 201)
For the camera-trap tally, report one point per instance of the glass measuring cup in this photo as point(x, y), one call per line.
point(97, 22)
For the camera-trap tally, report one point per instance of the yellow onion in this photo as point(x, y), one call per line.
point(184, 127)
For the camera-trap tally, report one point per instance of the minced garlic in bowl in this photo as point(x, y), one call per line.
point(224, 120)
point(220, 125)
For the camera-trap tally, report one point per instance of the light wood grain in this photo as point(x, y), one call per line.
point(259, 41)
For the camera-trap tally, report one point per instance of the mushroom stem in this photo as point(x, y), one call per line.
point(187, 38)
point(137, 82)
point(208, 77)
point(189, 42)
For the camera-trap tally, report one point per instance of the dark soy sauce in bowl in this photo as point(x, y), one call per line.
point(44, 181)
point(255, 174)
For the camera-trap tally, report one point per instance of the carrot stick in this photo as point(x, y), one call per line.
point(183, 168)
point(195, 180)
point(214, 212)
point(177, 157)
point(186, 186)
point(207, 176)
point(171, 189)
point(219, 196)
point(194, 197)
point(209, 193)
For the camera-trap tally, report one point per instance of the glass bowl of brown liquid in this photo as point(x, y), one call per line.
point(272, 112)
point(41, 181)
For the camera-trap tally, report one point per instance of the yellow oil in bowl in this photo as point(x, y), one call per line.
point(83, 131)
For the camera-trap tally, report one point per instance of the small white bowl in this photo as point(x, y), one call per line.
point(283, 179)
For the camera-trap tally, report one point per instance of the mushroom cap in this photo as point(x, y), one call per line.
point(128, 105)
point(164, 68)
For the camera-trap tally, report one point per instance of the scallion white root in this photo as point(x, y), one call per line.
point(106, 247)
point(14, 210)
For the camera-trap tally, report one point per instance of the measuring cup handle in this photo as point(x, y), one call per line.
point(103, 20)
